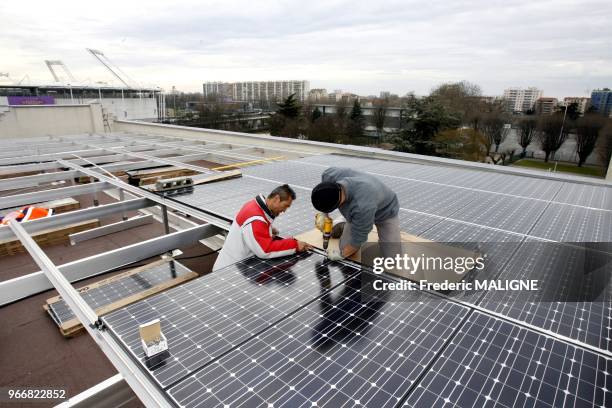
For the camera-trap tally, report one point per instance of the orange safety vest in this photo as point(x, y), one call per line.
point(26, 213)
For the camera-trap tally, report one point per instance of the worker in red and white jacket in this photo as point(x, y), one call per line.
point(252, 233)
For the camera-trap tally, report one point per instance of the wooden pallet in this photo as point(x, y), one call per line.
point(54, 236)
point(150, 176)
point(73, 327)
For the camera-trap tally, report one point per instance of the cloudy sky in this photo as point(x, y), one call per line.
point(563, 47)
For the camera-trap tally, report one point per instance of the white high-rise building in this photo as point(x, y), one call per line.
point(258, 90)
point(520, 99)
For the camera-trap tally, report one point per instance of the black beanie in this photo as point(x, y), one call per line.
point(326, 196)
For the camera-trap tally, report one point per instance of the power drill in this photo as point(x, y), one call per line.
point(325, 224)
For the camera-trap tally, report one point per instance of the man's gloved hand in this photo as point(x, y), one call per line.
point(334, 253)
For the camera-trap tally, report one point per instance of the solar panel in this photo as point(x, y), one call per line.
point(574, 224)
point(575, 296)
point(208, 316)
point(503, 212)
point(117, 289)
point(495, 363)
point(337, 351)
point(292, 172)
point(497, 247)
point(585, 195)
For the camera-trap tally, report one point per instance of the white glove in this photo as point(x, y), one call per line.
point(334, 254)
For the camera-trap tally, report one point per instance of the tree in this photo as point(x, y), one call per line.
point(425, 118)
point(341, 118)
point(526, 130)
point(380, 115)
point(323, 130)
point(494, 129)
point(459, 98)
point(551, 134)
point(316, 114)
point(604, 144)
point(573, 112)
point(285, 121)
point(289, 108)
point(464, 143)
point(587, 133)
point(356, 122)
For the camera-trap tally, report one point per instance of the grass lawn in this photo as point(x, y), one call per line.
point(561, 167)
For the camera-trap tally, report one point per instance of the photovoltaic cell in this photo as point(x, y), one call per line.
point(215, 313)
point(496, 247)
point(574, 224)
point(575, 291)
point(291, 172)
point(586, 195)
point(115, 290)
point(338, 351)
point(503, 212)
point(492, 363)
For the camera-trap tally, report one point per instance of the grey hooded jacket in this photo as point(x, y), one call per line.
point(368, 201)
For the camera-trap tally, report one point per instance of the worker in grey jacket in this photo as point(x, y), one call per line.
point(364, 201)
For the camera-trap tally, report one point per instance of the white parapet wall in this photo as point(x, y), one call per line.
point(50, 120)
point(307, 146)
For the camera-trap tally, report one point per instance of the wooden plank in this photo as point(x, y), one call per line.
point(58, 235)
point(73, 326)
point(11, 175)
point(225, 175)
point(416, 245)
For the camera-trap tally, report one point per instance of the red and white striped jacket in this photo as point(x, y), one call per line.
point(251, 234)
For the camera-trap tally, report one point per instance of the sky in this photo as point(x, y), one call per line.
point(563, 47)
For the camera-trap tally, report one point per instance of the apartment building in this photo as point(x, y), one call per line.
point(520, 99)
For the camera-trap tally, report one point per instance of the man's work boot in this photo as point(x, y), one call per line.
point(338, 229)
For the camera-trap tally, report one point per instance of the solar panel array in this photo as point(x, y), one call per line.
point(495, 363)
point(211, 315)
point(323, 347)
point(336, 351)
point(118, 289)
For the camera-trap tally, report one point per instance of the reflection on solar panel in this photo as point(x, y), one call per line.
point(339, 350)
point(210, 315)
point(118, 289)
point(495, 363)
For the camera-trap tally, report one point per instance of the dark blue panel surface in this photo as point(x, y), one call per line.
point(338, 351)
point(494, 363)
point(212, 314)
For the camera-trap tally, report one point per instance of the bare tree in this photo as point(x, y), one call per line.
point(380, 115)
point(459, 98)
point(527, 130)
point(604, 145)
point(587, 132)
point(493, 127)
point(551, 134)
point(341, 117)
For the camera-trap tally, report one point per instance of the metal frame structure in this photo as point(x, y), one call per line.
point(60, 277)
point(96, 157)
